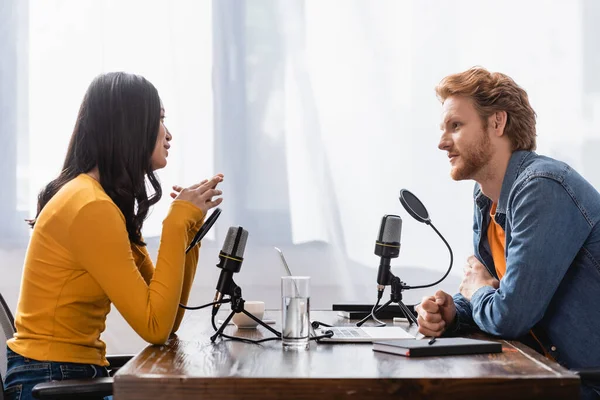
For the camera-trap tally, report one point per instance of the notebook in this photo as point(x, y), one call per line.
point(351, 334)
point(441, 347)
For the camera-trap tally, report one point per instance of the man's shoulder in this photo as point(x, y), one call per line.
point(538, 168)
point(541, 176)
point(543, 166)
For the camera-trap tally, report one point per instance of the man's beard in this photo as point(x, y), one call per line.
point(472, 160)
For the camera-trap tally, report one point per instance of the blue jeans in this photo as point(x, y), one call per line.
point(23, 374)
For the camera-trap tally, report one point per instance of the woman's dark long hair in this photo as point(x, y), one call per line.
point(116, 130)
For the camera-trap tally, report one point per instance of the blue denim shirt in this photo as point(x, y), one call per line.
point(550, 215)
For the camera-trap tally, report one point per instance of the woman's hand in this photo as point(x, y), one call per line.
point(201, 194)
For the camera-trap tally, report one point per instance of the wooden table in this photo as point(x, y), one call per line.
point(189, 366)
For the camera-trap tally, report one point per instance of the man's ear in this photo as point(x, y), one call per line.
point(498, 122)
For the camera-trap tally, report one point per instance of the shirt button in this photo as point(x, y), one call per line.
point(553, 348)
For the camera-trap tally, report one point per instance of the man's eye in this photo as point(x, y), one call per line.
point(455, 125)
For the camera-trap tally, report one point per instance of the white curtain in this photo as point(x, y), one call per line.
point(169, 43)
point(318, 112)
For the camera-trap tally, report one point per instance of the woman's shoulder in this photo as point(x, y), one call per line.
point(79, 204)
point(81, 193)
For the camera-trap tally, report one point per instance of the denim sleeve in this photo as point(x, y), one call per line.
point(464, 311)
point(463, 322)
point(547, 231)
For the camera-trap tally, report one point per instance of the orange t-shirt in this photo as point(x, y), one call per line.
point(497, 241)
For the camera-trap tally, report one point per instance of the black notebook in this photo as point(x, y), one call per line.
point(441, 347)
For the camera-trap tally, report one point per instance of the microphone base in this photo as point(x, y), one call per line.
point(405, 311)
point(237, 306)
point(395, 297)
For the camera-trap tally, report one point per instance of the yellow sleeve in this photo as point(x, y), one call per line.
point(101, 246)
point(191, 262)
point(144, 263)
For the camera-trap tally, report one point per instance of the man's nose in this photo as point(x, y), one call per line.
point(445, 143)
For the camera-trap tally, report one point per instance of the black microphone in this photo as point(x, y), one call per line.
point(230, 261)
point(387, 246)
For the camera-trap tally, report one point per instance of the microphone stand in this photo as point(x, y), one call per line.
point(237, 306)
point(395, 297)
point(398, 286)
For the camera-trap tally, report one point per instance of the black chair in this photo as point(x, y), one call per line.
point(7, 325)
point(1, 387)
point(590, 376)
point(69, 389)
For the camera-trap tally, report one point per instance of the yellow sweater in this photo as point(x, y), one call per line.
point(80, 260)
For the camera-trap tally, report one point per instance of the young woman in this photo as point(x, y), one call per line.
point(87, 250)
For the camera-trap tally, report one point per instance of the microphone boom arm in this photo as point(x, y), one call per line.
point(449, 267)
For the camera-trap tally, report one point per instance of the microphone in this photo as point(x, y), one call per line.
point(230, 262)
point(387, 246)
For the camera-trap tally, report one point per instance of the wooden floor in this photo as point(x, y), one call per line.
point(331, 282)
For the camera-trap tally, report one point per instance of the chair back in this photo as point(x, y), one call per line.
point(1, 387)
point(7, 330)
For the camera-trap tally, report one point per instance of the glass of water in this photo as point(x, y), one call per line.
point(295, 312)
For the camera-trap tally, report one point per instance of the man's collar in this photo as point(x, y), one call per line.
point(513, 170)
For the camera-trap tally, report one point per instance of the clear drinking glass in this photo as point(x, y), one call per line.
point(295, 312)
